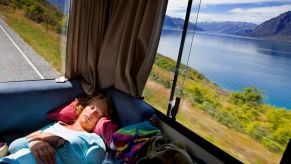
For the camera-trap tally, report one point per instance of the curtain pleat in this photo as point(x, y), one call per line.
point(87, 25)
point(113, 43)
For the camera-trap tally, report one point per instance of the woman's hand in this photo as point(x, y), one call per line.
point(43, 136)
point(33, 136)
point(43, 152)
point(50, 138)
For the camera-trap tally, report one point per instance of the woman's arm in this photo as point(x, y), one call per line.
point(21, 142)
point(38, 148)
point(41, 151)
point(17, 145)
point(24, 142)
point(52, 139)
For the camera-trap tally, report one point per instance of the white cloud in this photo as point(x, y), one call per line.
point(255, 15)
point(175, 5)
point(217, 2)
point(262, 10)
point(177, 8)
point(228, 17)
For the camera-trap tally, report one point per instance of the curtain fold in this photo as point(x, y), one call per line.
point(113, 43)
point(87, 25)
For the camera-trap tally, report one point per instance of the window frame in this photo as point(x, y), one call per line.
point(173, 107)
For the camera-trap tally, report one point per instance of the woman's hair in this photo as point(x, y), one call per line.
point(84, 101)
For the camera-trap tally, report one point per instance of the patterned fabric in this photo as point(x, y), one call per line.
point(129, 139)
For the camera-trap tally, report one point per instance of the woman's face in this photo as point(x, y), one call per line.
point(91, 114)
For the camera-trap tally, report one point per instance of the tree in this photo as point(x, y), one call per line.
point(13, 4)
point(250, 96)
point(35, 13)
point(4, 2)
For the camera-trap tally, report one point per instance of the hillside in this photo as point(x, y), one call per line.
point(178, 24)
point(278, 26)
point(275, 28)
point(233, 28)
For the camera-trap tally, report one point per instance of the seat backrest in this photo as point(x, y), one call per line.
point(127, 109)
point(24, 105)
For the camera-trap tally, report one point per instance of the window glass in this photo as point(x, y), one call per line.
point(33, 39)
point(158, 87)
point(236, 93)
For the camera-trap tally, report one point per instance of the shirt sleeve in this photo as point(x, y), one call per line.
point(22, 142)
point(17, 145)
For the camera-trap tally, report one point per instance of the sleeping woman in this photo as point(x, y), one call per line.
point(65, 143)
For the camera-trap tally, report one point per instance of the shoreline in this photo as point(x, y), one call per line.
point(268, 38)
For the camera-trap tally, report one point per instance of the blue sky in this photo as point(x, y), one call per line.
point(254, 11)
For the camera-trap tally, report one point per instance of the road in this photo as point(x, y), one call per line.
point(18, 61)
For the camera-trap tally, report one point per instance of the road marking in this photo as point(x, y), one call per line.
point(22, 53)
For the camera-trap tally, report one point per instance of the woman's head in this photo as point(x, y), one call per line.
point(90, 109)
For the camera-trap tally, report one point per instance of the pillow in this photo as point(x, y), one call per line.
point(105, 128)
point(65, 114)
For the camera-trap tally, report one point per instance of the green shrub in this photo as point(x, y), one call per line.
point(250, 96)
point(257, 130)
point(273, 146)
point(21, 4)
point(282, 135)
point(36, 13)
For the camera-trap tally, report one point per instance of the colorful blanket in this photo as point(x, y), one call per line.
point(129, 139)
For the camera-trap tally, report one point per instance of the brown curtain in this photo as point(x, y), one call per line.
point(113, 43)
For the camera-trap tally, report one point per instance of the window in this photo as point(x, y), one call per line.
point(33, 39)
point(158, 87)
point(234, 78)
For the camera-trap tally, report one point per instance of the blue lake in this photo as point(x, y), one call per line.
point(236, 62)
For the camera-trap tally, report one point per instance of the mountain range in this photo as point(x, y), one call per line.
point(178, 24)
point(278, 27)
point(233, 28)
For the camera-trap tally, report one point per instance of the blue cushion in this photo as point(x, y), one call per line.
point(24, 104)
point(128, 109)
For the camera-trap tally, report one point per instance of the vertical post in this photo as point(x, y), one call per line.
point(184, 33)
point(286, 156)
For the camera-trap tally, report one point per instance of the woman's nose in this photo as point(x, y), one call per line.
point(94, 111)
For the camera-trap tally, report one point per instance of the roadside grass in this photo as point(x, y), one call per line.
point(45, 43)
